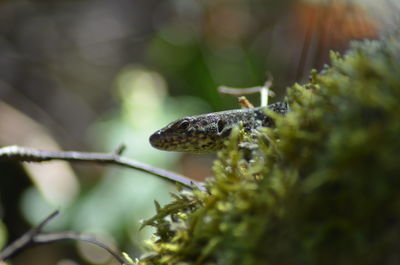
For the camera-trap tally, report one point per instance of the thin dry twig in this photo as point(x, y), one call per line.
point(242, 91)
point(264, 90)
point(25, 240)
point(25, 154)
point(35, 236)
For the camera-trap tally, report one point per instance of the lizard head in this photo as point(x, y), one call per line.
point(196, 134)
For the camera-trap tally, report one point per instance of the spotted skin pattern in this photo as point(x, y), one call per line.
point(206, 133)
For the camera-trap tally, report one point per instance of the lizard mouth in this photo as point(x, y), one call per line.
point(156, 139)
point(180, 143)
point(160, 141)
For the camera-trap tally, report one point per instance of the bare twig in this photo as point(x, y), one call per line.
point(241, 91)
point(59, 236)
point(35, 236)
point(25, 240)
point(24, 154)
point(263, 90)
point(120, 149)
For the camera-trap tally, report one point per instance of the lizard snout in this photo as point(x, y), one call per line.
point(155, 139)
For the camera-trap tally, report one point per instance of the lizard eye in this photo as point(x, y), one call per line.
point(183, 125)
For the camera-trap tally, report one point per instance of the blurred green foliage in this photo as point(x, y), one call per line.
point(3, 235)
point(201, 45)
point(200, 70)
point(322, 188)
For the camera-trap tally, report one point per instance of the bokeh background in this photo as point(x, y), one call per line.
point(88, 75)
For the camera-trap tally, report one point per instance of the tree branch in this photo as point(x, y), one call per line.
point(26, 239)
point(24, 154)
point(35, 236)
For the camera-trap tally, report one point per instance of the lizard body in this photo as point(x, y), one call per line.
point(206, 133)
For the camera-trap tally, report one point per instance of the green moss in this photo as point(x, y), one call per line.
point(323, 187)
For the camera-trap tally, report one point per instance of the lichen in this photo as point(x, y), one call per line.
point(322, 187)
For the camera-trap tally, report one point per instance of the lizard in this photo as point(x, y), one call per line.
point(206, 133)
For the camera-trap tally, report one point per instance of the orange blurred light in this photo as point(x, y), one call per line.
point(337, 22)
